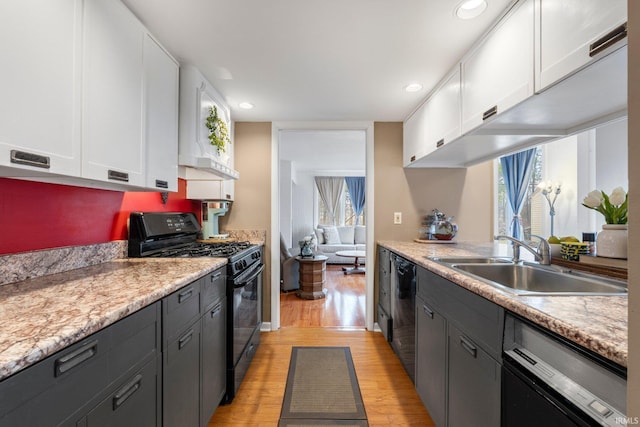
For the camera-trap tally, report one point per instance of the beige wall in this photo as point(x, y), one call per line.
point(633, 395)
point(467, 194)
point(251, 208)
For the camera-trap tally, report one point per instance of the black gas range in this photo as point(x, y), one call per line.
point(175, 235)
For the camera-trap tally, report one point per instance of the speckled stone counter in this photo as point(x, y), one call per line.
point(598, 323)
point(42, 315)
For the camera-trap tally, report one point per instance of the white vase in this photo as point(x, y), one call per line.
point(612, 241)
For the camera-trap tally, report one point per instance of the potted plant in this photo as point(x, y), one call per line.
point(612, 240)
point(218, 131)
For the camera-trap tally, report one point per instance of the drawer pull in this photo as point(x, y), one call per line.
point(440, 143)
point(490, 112)
point(215, 276)
point(608, 39)
point(30, 159)
point(469, 347)
point(427, 311)
point(118, 176)
point(162, 184)
point(185, 295)
point(75, 358)
point(185, 340)
point(216, 310)
point(127, 391)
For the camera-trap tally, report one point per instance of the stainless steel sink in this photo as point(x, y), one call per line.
point(526, 279)
point(471, 260)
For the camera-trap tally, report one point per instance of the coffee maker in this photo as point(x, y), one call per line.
point(211, 212)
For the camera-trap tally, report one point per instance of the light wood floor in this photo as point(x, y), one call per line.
point(344, 304)
point(389, 396)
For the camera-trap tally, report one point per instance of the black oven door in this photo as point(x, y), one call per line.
point(247, 308)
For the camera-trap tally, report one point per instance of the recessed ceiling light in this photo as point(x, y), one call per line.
point(246, 105)
point(413, 87)
point(470, 9)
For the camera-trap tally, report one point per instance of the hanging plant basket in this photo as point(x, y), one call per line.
point(218, 131)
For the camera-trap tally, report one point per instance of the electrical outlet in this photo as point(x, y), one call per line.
point(397, 217)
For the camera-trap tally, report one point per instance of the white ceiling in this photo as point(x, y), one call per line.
point(316, 59)
point(340, 151)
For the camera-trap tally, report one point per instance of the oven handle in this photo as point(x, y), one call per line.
point(244, 281)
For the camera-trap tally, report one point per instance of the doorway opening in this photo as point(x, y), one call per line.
point(301, 152)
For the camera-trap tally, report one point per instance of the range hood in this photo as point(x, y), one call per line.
point(197, 96)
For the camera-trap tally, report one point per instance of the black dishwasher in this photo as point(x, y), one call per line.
point(403, 302)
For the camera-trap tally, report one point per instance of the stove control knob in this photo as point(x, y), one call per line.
point(239, 265)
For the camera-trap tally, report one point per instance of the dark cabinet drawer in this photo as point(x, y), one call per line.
point(213, 288)
point(180, 309)
point(132, 403)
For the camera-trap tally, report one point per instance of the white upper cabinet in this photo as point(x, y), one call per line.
point(40, 87)
point(444, 113)
point(435, 123)
point(574, 33)
point(113, 117)
point(414, 136)
point(499, 72)
point(161, 121)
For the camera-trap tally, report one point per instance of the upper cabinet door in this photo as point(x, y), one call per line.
point(575, 32)
point(161, 124)
point(40, 85)
point(112, 133)
point(498, 73)
point(444, 112)
point(414, 136)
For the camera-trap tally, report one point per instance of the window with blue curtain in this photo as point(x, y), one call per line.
point(516, 171)
point(356, 188)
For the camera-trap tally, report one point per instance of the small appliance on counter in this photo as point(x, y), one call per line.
point(211, 212)
point(438, 227)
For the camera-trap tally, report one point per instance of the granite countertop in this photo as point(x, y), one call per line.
point(598, 323)
point(42, 315)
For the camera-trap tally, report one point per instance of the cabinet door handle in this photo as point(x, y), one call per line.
point(490, 112)
point(185, 339)
point(440, 143)
point(127, 391)
point(75, 358)
point(427, 310)
point(413, 159)
point(30, 159)
point(469, 346)
point(216, 275)
point(162, 184)
point(185, 295)
point(608, 39)
point(216, 310)
point(118, 176)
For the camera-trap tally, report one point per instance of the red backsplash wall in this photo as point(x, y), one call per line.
point(35, 215)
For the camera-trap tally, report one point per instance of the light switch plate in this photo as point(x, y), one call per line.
point(397, 217)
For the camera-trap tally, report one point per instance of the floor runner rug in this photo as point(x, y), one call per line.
point(322, 389)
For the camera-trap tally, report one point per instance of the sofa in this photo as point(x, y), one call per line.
point(331, 239)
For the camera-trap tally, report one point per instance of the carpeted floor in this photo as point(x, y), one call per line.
point(322, 389)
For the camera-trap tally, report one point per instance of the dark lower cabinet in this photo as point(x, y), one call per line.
point(474, 383)
point(214, 333)
point(164, 365)
point(458, 353)
point(181, 379)
point(133, 403)
point(431, 360)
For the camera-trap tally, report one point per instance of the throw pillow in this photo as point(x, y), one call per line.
point(319, 235)
point(361, 235)
point(346, 235)
point(331, 236)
